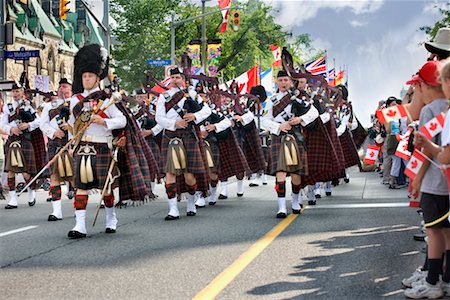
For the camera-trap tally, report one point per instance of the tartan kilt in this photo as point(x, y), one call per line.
point(156, 151)
point(275, 152)
point(213, 146)
point(100, 166)
point(232, 159)
point(339, 171)
point(322, 157)
point(40, 152)
point(351, 157)
point(28, 154)
point(253, 151)
point(53, 147)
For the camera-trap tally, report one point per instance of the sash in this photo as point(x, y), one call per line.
point(281, 105)
point(98, 95)
point(174, 100)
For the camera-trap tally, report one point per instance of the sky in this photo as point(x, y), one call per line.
point(377, 40)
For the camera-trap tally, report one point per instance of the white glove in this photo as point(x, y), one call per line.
point(192, 93)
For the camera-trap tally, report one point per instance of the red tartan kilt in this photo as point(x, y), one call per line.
point(232, 159)
point(322, 157)
point(195, 162)
point(28, 153)
point(102, 162)
point(275, 149)
point(53, 147)
point(214, 147)
point(156, 151)
point(349, 149)
point(253, 151)
point(339, 171)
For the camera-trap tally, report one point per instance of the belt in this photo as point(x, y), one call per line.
point(96, 139)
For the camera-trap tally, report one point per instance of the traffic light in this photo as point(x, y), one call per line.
point(63, 9)
point(236, 21)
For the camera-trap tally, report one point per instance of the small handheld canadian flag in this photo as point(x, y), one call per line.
point(390, 114)
point(414, 165)
point(434, 126)
point(402, 150)
point(371, 155)
point(405, 136)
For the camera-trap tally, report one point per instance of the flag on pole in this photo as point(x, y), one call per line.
point(267, 81)
point(371, 154)
point(317, 66)
point(276, 52)
point(340, 78)
point(434, 126)
point(402, 150)
point(331, 77)
point(414, 165)
point(245, 81)
point(225, 14)
point(390, 114)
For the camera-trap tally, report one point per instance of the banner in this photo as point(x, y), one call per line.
point(214, 53)
point(41, 83)
point(193, 51)
point(276, 52)
point(225, 14)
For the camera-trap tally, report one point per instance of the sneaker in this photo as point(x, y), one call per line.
point(422, 281)
point(424, 290)
point(385, 182)
point(445, 288)
point(416, 276)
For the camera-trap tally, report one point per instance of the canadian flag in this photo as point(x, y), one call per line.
point(390, 114)
point(405, 136)
point(434, 126)
point(276, 55)
point(158, 89)
point(371, 155)
point(225, 14)
point(402, 150)
point(414, 165)
point(245, 81)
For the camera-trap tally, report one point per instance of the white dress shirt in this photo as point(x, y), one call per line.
point(6, 125)
point(47, 126)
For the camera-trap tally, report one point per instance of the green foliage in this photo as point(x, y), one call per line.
point(143, 32)
point(444, 10)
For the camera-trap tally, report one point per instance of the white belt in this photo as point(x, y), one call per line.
point(96, 139)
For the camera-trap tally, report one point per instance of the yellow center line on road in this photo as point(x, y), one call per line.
point(232, 271)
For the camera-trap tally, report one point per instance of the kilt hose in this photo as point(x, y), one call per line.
point(195, 158)
point(253, 151)
point(322, 157)
point(100, 166)
point(339, 169)
point(275, 153)
point(156, 151)
point(349, 149)
point(29, 158)
point(232, 159)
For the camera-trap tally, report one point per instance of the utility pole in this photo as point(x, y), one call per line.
point(2, 38)
point(106, 24)
point(203, 39)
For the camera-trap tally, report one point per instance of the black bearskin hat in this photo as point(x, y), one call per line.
point(344, 91)
point(260, 92)
point(91, 58)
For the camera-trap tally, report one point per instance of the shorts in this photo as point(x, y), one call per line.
point(435, 207)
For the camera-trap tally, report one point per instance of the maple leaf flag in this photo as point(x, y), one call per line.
point(225, 14)
point(402, 150)
point(405, 136)
point(390, 114)
point(434, 126)
point(276, 55)
point(414, 165)
point(371, 155)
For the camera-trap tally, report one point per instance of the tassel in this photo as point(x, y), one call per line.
point(83, 176)
point(209, 159)
point(19, 159)
point(69, 171)
point(287, 156)
point(182, 158)
point(294, 154)
point(89, 172)
point(61, 172)
point(13, 159)
point(175, 161)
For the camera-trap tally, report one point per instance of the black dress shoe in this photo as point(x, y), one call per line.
point(281, 215)
point(222, 197)
point(32, 203)
point(296, 211)
point(346, 180)
point(312, 202)
point(49, 199)
point(198, 206)
point(102, 205)
point(53, 218)
point(212, 203)
point(191, 214)
point(253, 184)
point(10, 206)
point(110, 230)
point(240, 195)
point(420, 237)
point(328, 193)
point(171, 218)
point(73, 234)
point(264, 183)
point(318, 196)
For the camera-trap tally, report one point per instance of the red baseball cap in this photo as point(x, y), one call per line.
point(429, 73)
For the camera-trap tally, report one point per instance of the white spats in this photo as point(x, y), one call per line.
point(200, 200)
point(173, 207)
point(282, 205)
point(111, 219)
point(12, 198)
point(213, 196)
point(295, 201)
point(57, 211)
point(31, 194)
point(240, 187)
point(80, 219)
point(191, 203)
point(224, 188)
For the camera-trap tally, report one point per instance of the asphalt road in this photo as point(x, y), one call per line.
point(332, 250)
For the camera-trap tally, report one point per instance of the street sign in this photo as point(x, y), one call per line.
point(22, 54)
point(158, 62)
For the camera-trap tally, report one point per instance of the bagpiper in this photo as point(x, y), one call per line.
point(54, 118)
point(94, 117)
point(179, 113)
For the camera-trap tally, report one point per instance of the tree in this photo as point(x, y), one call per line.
point(444, 10)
